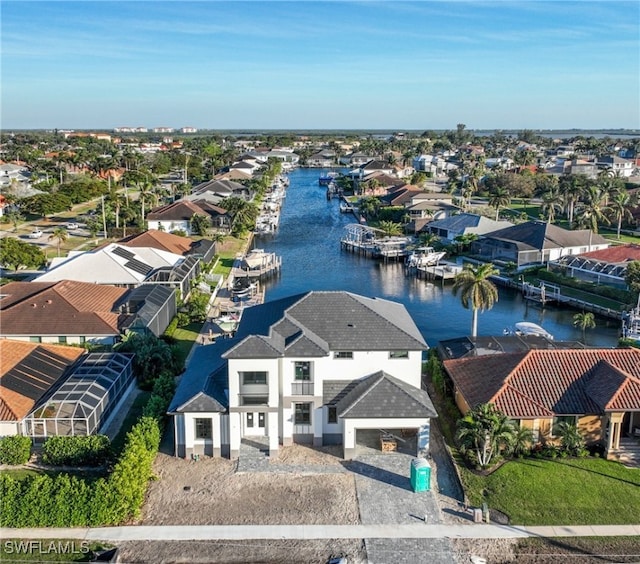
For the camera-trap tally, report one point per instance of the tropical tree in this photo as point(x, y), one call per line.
point(390, 228)
point(369, 206)
point(200, 224)
point(485, 432)
point(584, 321)
point(593, 209)
point(499, 198)
point(570, 438)
point(14, 216)
point(477, 292)
point(619, 206)
point(551, 204)
point(522, 440)
point(428, 239)
point(17, 254)
point(572, 188)
point(463, 242)
point(60, 234)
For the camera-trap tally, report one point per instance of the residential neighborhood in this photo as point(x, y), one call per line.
point(210, 307)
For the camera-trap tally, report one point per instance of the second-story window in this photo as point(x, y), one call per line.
point(343, 354)
point(303, 371)
point(248, 378)
point(398, 354)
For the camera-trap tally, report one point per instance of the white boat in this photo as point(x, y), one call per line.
point(528, 328)
point(631, 323)
point(424, 256)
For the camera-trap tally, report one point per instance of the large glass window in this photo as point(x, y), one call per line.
point(302, 414)
point(253, 377)
point(303, 371)
point(204, 428)
point(254, 400)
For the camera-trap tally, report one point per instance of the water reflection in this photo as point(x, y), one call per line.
point(309, 242)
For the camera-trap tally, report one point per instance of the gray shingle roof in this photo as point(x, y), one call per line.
point(328, 321)
point(384, 396)
point(203, 386)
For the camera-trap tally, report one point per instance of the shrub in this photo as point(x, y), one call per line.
point(91, 450)
point(171, 328)
point(15, 450)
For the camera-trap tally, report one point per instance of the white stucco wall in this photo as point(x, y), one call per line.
point(8, 428)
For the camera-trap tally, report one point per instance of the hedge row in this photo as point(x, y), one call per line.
point(68, 501)
point(90, 450)
point(15, 449)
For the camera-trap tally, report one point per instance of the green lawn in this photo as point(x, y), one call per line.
point(185, 337)
point(49, 550)
point(581, 491)
point(135, 412)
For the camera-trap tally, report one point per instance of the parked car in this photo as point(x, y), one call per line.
point(36, 234)
point(72, 225)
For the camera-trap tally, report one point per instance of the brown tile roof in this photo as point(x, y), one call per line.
point(184, 210)
point(59, 308)
point(540, 383)
point(160, 240)
point(27, 371)
point(615, 255)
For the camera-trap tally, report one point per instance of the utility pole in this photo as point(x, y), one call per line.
point(104, 219)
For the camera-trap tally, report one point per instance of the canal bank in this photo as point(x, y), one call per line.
point(308, 240)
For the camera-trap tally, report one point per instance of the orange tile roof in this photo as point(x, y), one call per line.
point(50, 363)
point(59, 308)
point(160, 240)
point(541, 383)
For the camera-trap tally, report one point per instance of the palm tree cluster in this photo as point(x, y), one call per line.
point(485, 433)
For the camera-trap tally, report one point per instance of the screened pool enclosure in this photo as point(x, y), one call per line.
point(83, 401)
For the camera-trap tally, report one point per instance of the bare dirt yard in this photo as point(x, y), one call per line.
point(209, 492)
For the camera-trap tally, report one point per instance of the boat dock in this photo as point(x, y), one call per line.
point(361, 239)
point(255, 264)
point(444, 272)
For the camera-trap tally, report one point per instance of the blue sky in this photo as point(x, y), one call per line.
point(322, 65)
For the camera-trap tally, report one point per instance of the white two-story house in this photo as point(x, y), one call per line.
point(313, 368)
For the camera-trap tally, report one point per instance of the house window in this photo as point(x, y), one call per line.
point(62, 340)
point(398, 354)
point(332, 414)
point(82, 340)
point(303, 371)
point(35, 339)
point(253, 377)
point(254, 400)
point(302, 414)
point(343, 354)
point(204, 429)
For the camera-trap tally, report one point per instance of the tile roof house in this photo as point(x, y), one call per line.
point(80, 312)
point(27, 371)
point(314, 368)
point(48, 390)
point(606, 266)
point(597, 389)
point(177, 215)
point(535, 242)
point(163, 241)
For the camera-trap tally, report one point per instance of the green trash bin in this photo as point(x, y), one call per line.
point(420, 475)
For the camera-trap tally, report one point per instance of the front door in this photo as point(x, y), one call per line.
point(255, 424)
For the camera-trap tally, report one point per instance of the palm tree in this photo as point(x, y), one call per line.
point(570, 438)
point(551, 204)
point(499, 198)
point(593, 209)
point(619, 207)
point(584, 321)
point(477, 292)
point(523, 439)
point(485, 432)
point(390, 228)
point(60, 234)
point(571, 187)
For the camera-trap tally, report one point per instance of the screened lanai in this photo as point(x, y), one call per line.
point(82, 402)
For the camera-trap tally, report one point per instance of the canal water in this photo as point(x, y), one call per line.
point(308, 240)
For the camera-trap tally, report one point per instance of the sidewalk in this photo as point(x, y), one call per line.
point(308, 532)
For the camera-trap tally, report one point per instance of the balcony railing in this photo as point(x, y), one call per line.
point(302, 389)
